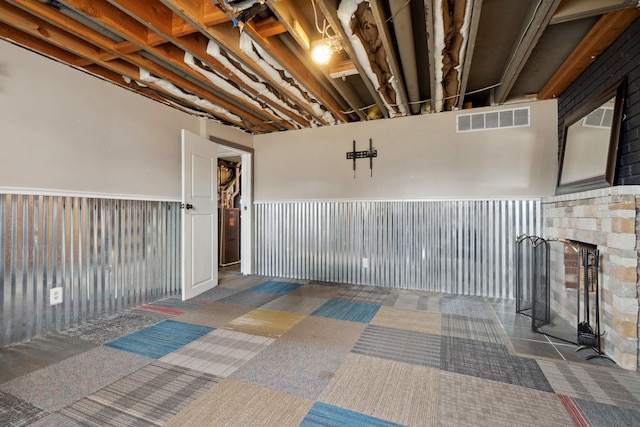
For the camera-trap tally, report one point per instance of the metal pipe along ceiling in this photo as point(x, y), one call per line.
point(404, 35)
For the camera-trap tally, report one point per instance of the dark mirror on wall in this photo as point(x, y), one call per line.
point(590, 142)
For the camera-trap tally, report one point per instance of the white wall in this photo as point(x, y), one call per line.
point(419, 157)
point(63, 130)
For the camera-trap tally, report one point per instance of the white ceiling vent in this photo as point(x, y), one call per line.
point(493, 120)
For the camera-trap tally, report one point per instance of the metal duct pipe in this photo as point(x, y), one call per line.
point(404, 35)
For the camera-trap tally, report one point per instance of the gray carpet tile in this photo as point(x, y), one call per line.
point(294, 368)
point(399, 345)
point(103, 330)
point(414, 302)
point(364, 294)
point(249, 298)
point(474, 307)
point(150, 396)
point(480, 329)
point(217, 293)
point(176, 303)
point(21, 359)
point(610, 385)
point(490, 361)
point(55, 386)
point(602, 414)
point(17, 412)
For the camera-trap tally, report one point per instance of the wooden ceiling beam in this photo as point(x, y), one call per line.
point(24, 39)
point(297, 69)
point(290, 61)
point(195, 44)
point(601, 35)
point(50, 30)
point(270, 27)
point(329, 11)
point(103, 12)
point(229, 38)
point(212, 14)
point(530, 34)
point(28, 41)
point(296, 24)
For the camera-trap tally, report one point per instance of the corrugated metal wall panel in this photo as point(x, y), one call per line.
point(108, 255)
point(461, 246)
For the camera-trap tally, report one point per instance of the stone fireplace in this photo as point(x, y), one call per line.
point(607, 218)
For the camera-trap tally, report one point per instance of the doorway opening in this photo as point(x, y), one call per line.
point(235, 206)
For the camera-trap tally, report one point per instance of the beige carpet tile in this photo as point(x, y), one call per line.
point(220, 352)
point(317, 291)
point(235, 403)
point(417, 321)
point(215, 314)
point(601, 384)
point(395, 391)
point(470, 401)
point(295, 304)
point(148, 397)
point(266, 323)
point(326, 332)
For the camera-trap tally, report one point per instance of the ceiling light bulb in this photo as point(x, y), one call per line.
point(321, 53)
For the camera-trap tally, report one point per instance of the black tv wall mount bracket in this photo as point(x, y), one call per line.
point(367, 154)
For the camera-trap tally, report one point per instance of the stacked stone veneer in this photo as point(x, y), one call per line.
point(608, 218)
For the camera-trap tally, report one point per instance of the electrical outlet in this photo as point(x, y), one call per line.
point(55, 295)
point(365, 262)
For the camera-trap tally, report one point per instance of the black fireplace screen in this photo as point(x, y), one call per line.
point(533, 280)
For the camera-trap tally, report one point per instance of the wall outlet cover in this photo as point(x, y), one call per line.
point(365, 262)
point(55, 295)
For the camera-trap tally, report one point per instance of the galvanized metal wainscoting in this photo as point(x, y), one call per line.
point(107, 255)
point(461, 246)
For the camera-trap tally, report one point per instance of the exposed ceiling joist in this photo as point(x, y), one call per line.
point(329, 11)
point(90, 44)
point(530, 33)
point(160, 17)
point(470, 47)
point(305, 34)
point(229, 38)
point(247, 63)
point(391, 57)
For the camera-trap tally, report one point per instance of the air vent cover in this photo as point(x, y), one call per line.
point(493, 120)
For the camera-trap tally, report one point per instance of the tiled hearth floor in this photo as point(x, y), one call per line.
point(260, 351)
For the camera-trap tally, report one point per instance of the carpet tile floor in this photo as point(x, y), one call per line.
point(263, 351)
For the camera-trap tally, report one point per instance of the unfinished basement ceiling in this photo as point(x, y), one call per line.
point(247, 63)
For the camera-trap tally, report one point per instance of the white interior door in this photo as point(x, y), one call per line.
point(199, 215)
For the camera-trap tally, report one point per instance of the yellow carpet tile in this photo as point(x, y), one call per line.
point(266, 323)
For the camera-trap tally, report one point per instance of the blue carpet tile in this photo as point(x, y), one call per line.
point(322, 414)
point(273, 287)
point(161, 339)
point(343, 310)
